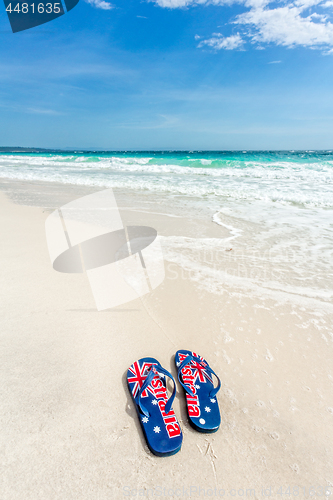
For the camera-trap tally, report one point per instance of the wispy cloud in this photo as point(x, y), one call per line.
point(176, 4)
point(31, 110)
point(274, 62)
point(286, 26)
point(100, 4)
point(290, 24)
point(43, 111)
point(219, 42)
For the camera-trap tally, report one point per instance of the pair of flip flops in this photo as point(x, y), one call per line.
point(146, 380)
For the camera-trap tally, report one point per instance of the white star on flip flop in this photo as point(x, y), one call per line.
point(213, 400)
point(207, 409)
point(197, 386)
point(145, 420)
point(157, 429)
point(154, 402)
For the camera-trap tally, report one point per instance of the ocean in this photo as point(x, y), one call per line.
point(299, 178)
point(277, 206)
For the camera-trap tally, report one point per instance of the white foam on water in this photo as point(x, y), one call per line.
point(281, 181)
point(233, 230)
point(185, 252)
point(278, 213)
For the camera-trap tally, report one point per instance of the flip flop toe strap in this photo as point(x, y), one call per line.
point(146, 383)
point(207, 369)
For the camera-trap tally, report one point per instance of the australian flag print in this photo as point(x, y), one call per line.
point(147, 384)
point(196, 377)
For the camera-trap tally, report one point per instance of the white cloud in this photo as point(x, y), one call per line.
point(42, 111)
point(305, 4)
point(285, 26)
point(274, 62)
point(176, 4)
point(255, 4)
point(100, 4)
point(289, 24)
point(219, 42)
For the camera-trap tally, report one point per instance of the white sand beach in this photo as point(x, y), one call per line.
point(69, 426)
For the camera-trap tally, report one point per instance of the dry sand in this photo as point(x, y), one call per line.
point(69, 427)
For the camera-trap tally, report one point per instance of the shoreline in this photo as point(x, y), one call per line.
point(71, 430)
point(189, 220)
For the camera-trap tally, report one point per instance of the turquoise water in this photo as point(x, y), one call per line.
point(304, 178)
point(277, 205)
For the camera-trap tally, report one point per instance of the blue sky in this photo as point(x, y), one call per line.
point(171, 74)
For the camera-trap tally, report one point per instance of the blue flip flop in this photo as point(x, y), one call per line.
point(147, 385)
point(195, 375)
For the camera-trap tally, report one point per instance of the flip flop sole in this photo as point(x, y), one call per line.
point(203, 411)
point(162, 431)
